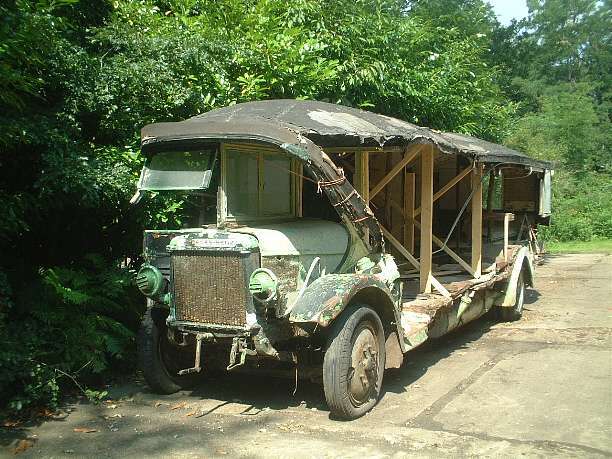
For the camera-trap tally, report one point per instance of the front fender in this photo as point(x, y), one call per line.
point(326, 297)
point(521, 262)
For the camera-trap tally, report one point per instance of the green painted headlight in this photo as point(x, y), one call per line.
point(263, 282)
point(150, 281)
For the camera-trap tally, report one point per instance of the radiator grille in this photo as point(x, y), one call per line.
point(211, 287)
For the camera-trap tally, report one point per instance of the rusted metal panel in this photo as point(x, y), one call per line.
point(327, 297)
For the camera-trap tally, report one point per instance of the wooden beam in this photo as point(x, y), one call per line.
point(447, 187)
point(439, 287)
point(451, 253)
point(508, 217)
point(427, 166)
point(477, 221)
point(465, 265)
point(362, 175)
point(409, 156)
point(490, 194)
point(408, 212)
point(400, 248)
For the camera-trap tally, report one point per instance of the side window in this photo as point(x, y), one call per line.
point(276, 186)
point(257, 184)
point(242, 183)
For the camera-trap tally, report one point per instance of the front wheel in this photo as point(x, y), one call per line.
point(159, 359)
point(354, 363)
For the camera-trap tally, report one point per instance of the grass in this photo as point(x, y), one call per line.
point(596, 246)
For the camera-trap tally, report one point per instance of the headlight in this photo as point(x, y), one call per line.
point(263, 284)
point(150, 281)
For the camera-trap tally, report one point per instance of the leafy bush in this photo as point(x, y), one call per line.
point(66, 326)
point(582, 207)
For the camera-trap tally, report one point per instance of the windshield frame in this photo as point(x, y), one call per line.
point(207, 175)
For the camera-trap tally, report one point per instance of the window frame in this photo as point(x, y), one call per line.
point(295, 188)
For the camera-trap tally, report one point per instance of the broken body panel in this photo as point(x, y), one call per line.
point(272, 281)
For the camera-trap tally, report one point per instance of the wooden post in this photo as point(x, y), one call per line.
point(362, 175)
point(477, 220)
point(506, 233)
point(409, 211)
point(427, 163)
point(490, 192)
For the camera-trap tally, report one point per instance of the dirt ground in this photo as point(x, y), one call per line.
point(540, 387)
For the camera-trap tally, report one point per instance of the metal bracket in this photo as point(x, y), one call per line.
point(198, 351)
point(239, 346)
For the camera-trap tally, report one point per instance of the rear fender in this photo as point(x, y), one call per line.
point(523, 263)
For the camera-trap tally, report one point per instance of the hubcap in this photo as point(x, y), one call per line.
point(363, 372)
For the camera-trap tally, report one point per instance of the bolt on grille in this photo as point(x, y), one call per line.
point(210, 287)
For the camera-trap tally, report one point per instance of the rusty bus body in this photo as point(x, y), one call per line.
point(328, 241)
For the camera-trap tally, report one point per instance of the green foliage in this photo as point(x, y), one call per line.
point(65, 326)
point(582, 207)
point(78, 80)
point(559, 75)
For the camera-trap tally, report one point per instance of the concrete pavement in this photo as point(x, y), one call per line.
point(540, 387)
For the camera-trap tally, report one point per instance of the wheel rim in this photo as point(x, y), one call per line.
point(363, 373)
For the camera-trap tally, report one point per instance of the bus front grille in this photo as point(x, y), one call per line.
point(211, 287)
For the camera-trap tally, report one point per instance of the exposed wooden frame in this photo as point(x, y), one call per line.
point(439, 287)
point(400, 248)
point(362, 175)
point(451, 253)
point(361, 149)
point(477, 220)
point(409, 156)
point(427, 167)
point(298, 183)
point(447, 187)
point(221, 196)
point(490, 195)
point(508, 217)
point(408, 213)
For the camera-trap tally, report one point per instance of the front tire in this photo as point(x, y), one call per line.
point(510, 314)
point(354, 363)
point(159, 359)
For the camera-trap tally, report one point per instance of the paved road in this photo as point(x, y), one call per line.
point(538, 387)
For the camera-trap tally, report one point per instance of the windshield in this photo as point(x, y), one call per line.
point(178, 170)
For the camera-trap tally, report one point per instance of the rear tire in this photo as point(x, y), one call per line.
point(510, 314)
point(354, 363)
point(159, 359)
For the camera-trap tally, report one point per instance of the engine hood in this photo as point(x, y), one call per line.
point(300, 238)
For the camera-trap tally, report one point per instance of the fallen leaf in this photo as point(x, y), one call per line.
point(22, 446)
point(178, 405)
point(84, 429)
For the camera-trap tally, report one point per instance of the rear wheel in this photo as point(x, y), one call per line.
point(159, 359)
point(511, 313)
point(354, 363)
